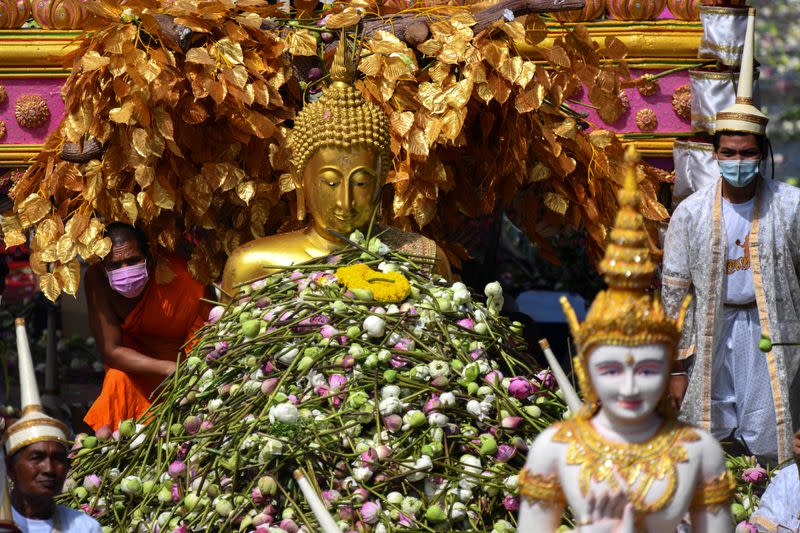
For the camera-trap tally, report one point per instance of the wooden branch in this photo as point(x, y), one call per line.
point(414, 28)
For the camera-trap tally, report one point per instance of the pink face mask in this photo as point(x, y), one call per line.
point(129, 281)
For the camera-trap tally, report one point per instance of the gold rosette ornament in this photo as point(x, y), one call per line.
point(385, 287)
point(627, 314)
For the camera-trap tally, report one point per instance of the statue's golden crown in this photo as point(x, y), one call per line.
point(341, 118)
point(627, 313)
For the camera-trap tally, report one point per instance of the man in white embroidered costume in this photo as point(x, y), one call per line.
point(36, 457)
point(780, 504)
point(735, 246)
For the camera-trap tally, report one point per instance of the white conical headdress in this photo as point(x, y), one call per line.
point(743, 116)
point(35, 425)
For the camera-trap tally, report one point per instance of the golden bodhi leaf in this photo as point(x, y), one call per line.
point(303, 43)
point(12, 231)
point(556, 202)
point(49, 285)
point(348, 17)
point(93, 61)
point(33, 209)
point(69, 275)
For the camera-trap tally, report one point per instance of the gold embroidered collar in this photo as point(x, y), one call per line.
point(639, 464)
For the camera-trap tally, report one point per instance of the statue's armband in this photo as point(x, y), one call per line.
point(540, 488)
point(714, 493)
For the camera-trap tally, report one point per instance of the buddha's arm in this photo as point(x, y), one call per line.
point(710, 510)
point(541, 498)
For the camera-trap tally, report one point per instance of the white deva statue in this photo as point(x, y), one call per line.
point(624, 462)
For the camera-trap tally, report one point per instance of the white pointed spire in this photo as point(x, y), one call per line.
point(743, 116)
point(35, 425)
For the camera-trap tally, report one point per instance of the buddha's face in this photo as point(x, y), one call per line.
point(629, 380)
point(341, 188)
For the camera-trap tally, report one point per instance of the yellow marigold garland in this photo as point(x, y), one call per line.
point(389, 287)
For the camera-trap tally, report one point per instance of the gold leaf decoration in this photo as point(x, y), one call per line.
point(556, 202)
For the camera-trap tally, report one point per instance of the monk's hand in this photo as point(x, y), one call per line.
point(677, 389)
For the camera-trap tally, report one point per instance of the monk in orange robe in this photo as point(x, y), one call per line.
point(140, 325)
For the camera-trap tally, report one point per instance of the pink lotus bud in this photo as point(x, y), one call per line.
point(216, 313)
point(360, 495)
point(192, 424)
point(329, 497)
point(383, 452)
point(432, 404)
point(511, 422)
point(181, 529)
point(221, 347)
point(346, 513)
point(262, 302)
point(505, 453)
point(371, 512)
point(258, 499)
point(92, 482)
point(511, 503)
point(348, 362)
point(268, 385)
point(368, 457)
point(520, 387)
point(176, 469)
point(757, 474)
point(336, 382)
point(393, 422)
point(104, 433)
point(546, 378)
point(495, 377)
point(440, 382)
point(268, 367)
point(176, 493)
point(328, 331)
point(289, 525)
point(466, 323)
point(206, 425)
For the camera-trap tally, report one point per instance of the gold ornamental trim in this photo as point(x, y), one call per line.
point(534, 487)
point(646, 40)
point(15, 155)
point(744, 117)
point(27, 424)
point(659, 147)
point(714, 493)
point(35, 54)
point(744, 100)
point(717, 10)
point(725, 48)
point(32, 440)
point(33, 408)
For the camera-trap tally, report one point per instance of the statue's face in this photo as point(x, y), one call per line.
point(341, 188)
point(629, 380)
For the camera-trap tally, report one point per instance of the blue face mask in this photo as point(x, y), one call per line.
point(739, 172)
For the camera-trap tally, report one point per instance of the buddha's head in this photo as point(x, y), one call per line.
point(627, 342)
point(340, 154)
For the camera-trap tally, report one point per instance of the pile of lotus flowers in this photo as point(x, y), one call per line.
point(412, 414)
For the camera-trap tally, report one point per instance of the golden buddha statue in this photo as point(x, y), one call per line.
point(339, 157)
point(624, 462)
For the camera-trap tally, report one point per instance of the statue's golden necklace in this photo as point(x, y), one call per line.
point(639, 464)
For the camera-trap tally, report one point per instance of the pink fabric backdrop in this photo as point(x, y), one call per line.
point(47, 88)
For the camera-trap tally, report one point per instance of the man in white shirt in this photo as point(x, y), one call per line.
point(780, 504)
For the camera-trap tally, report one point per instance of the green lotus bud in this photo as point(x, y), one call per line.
point(148, 486)
point(90, 442)
point(457, 365)
point(190, 500)
point(251, 362)
point(481, 328)
point(132, 486)
point(339, 308)
point(267, 485)
point(305, 363)
point(488, 444)
point(427, 449)
point(415, 419)
point(193, 362)
point(311, 351)
point(365, 295)
point(357, 399)
point(353, 332)
point(223, 507)
point(164, 495)
point(390, 376)
point(127, 428)
point(213, 491)
point(245, 316)
point(80, 493)
point(472, 388)
point(371, 362)
point(738, 512)
point(560, 393)
point(435, 514)
point(239, 500)
point(251, 328)
point(176, 429)
point(533, 411)
point(765, 344)
point(471, 372)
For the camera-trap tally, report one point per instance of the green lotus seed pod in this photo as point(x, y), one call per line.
point(251, 328)
point(435, 514)
point(127, 428)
